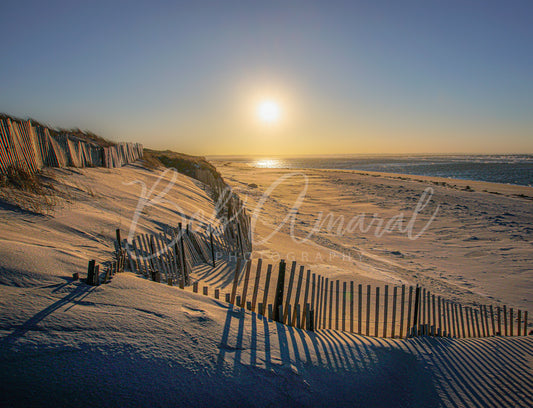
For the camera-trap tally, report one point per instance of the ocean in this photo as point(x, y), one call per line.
point(506, 169)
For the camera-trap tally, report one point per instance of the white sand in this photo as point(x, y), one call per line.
point(478, 248)
point(138, 343)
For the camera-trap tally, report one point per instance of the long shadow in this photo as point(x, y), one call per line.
point(467, 355)
point(80, 291)
point(447, 371)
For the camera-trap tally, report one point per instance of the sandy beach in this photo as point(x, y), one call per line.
point(59, 337)
point(469, 241)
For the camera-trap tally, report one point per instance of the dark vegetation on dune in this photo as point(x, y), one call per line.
point(196, 167)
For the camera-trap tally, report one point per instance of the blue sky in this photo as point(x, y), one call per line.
point(349, 77)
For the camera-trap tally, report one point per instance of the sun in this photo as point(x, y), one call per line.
point(268, 111)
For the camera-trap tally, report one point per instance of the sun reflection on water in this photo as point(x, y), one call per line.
point(267, 163)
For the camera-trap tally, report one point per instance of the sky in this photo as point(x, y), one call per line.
point(348, 77)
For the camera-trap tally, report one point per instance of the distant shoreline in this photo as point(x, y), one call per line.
point(500, 169)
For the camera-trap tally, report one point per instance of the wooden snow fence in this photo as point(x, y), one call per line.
point(28, 147)
point(296, 297)
point(170, 256)
point(97, 276)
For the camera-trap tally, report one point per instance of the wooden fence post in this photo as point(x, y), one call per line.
point(256, 283)
point(90, 272)
point(505, 319)
point(337, 289)
point(343, 325)
point(525, 323)
point(235, 281)
point(331, 293)
point(359, 308)
point(385, 310)
point(478, 329)
point(511, 318)
point(422, 314)
point(471, 330)
point(97, 275)
point(119, 240)
point(289, 292)
point(462, 321)
point(402, 310)
point(519, 323)
point(320, 295)
point(217, 294)
point(313, 294)
point(246, 281)
point(409, 313)
point(417, 303)
point(368, 289)
point(352, 317)
point(325, 309)
point(376, 316)
point(184, 271)
point(481, 318)
point(296, 310)
point(212, 246)
point(239, 237)
point(394, 298)
point(265, 293)
point(279, 291)
point(492, 320)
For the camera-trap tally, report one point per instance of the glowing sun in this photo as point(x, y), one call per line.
point(268, 111)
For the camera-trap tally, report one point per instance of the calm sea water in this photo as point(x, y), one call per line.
point(507, 169)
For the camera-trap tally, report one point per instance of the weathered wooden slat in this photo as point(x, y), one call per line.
point(385, 310)
point(331, 296)
point(492, 320)
point(499, 321)
point(337, 293)
point(297, 296)
point(289, 292)
point(235, 281)
point(256, 283)
point(306, 295)
point(409, 312)
point(394, 301)
point(368, 289)
point(280, 287)
point(352, 317)
point(505, 320)
point(359, 308)
point(325, 308)
point(478, 328)
point(463, 333)
point(343, 325)
point(246, 282)
point(320, 293)
point(402, 310)
point(312, 305)
point(376, 314)
point(267, 286)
